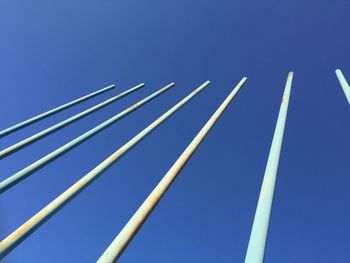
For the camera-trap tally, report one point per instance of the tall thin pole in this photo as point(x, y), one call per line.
point(344, 84)
point(17, 146)
point(25, 172)
point(53, 111)
point(118, 245)
point(28, 227)
point(258, 236)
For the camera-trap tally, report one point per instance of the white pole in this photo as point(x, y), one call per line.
point(258, 236)
point(344, 84)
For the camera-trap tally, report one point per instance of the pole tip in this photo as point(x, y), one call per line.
point(337, 70)
point(290, 74)
point(170, 85)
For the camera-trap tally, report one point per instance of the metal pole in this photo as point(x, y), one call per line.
point(28, 227)
point(258, 236)
point(25, 172)
point(60, 125)
point(344, 84)
point(115, 249)
point(55, 110)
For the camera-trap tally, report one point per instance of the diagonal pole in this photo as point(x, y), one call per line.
point(116, 248)
point(344, 84)
point(53, 111)
point(17, 146)
point(44, 214)
point(258, 236)
point(25, 172)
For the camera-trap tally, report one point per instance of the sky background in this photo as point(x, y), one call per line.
point(55, 51)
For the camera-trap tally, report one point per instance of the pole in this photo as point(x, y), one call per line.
point(258, 236)
point(52, 111)
point(28, 227)
point(115, 249)
point(60, 125)
point(344, 84)
point(25, 172)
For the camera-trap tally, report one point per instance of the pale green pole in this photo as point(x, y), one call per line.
point(344, 84)
point(258, 236)
point(116, 248)
point(53, 111)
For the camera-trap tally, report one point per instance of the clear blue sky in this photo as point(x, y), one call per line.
point(54, 51)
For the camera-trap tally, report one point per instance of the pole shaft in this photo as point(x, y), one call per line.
point(25, 172)
point(53, 111)
point(344, 84)
point(17, 146)
point(258, 236)
point(28, 227)
point(118, 245)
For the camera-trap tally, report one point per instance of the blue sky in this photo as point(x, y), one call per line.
point(52, 52)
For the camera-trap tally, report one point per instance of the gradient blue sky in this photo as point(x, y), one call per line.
point(54, 51)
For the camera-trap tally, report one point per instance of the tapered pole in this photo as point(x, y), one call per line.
point(344, 84)
point(28, 227)
point(25, 172)
point(118, 245)
point(53, 111)
point(258, 236)
point(17, 146)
